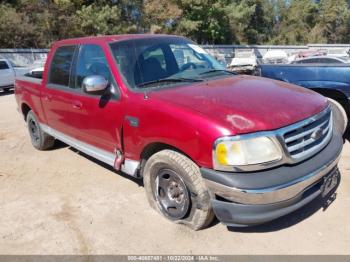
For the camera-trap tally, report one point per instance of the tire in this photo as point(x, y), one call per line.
point(40, 140)
point(191, 194)
point(339, 115)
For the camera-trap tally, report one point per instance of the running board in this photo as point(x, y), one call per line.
point(129, 166)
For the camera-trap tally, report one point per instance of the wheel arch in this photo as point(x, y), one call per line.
point(155, 147)
point(25, 108)
point(336, 95)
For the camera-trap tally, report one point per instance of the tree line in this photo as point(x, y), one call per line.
point(37, 23)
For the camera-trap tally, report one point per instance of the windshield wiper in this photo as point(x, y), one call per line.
point(218, 70)
point(170, 80)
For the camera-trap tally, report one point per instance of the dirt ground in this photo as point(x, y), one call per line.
point(61, 202)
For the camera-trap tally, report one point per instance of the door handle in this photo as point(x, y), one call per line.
point(77, 105)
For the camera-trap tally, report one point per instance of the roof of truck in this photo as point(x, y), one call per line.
point(109, 38)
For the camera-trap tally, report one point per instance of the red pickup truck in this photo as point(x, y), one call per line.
point(204, 140)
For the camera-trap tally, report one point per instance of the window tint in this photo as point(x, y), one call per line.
point(91, 61)
point(329, 61)
point(3, 65)
point(310, 61)
point(61, 65)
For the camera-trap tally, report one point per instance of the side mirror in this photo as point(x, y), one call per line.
point(94, 84)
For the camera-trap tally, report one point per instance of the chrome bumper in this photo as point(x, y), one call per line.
point(274, 194)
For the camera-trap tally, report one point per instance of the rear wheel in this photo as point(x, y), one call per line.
point(40, 140)
point(175, 188)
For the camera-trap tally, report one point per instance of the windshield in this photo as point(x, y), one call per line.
point(163, 61)
point(345, 59)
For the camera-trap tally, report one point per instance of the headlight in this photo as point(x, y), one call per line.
point(231, 152)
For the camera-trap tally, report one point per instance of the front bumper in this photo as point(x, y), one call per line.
point(242, 199)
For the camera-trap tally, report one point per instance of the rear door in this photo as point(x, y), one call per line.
point(7, 76)
point(57, 97)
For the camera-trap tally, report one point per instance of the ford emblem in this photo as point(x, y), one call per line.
point(317, 134)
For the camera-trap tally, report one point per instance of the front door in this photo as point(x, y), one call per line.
point(97, 119)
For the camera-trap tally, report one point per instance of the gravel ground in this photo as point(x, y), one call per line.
point(62, 202)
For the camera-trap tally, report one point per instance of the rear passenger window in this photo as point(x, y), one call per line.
point(61, 65)
point(3, 65)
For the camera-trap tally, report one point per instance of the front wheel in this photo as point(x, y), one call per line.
point(175, 188)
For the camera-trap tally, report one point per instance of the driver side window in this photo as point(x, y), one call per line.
point(91, 61)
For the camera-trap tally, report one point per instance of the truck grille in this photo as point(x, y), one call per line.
point(309, 137)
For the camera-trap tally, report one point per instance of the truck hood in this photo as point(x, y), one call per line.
point(245, 104)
